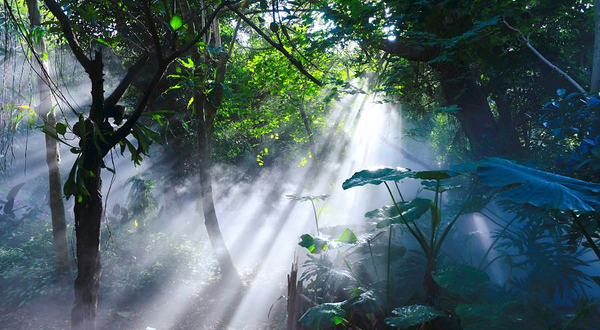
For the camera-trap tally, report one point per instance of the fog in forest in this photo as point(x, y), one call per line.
point(275, 165)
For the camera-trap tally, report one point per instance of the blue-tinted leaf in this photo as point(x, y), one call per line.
point(376, 176)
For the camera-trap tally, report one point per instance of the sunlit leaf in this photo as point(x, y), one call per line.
point(376, 176)
point(389, 214)
point(348, 236)
point(176, 22)
point(314, 245)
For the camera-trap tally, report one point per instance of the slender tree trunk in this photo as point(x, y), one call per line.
point(206, 202)
point(595, 83)
point(45, 110)
point(88, 216)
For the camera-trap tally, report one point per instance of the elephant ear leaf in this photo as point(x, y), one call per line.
point(376, 176)
point(413, 315)
point(548, 191)
point(389, 215)
point(323, 316)
point(435, 175)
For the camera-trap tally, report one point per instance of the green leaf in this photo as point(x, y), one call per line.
point(463, 279)
point(548, 191)
point(444, 186)
point(410, 316)
point(176, 22)
point(314, 245)
point(323, 316)
point(376, 176)
point(411, 211)
point(61, 128)
point(435, 175)
point(348, 236)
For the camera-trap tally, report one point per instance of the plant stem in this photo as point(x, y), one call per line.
point(316, 217)
point(418, 235)
point(399, 193)
point(373, 260)
point(495, 241)
point(439, 243)
point(586, 234)
point(389, 263)
point(434, 213)
point(348, 266)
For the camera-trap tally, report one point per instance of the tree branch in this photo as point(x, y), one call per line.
point(57, 11)
point(153, 32)
point(275, 45)
point(525, 41)
point(116, 95)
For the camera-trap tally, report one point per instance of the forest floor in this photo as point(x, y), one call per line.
point(52, 312)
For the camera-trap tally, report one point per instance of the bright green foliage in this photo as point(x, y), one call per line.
point(348, 237)
point(313, 244)
point(548, 191)
point(323, 316)
point(464, 280)
point(413, 315)
point(376, 176)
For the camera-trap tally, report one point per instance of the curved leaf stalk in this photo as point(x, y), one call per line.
point(440, 241)
point(505, 229)
point(586, 234)
point(373, 260)
point(389, 264)
point(434, 214)
point(399, 193)
point(417, 234)
point(349, 267)
point(316, 217)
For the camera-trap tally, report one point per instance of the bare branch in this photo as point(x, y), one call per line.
point(525, 41)
point(275, 45)
point(116, 95)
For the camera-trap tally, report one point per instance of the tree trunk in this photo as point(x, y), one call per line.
point(204, 131)
point(595, 83)
point(88, 216)
point(45, 110)
point(475, 115)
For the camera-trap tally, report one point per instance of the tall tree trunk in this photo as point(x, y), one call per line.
point(45, 110)
point(204, 130)
point(595, 83)
point(88, 216)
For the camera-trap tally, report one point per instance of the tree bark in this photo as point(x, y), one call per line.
point(88, 217)
point(45, 110)
point(475, 115)
point(595, 83)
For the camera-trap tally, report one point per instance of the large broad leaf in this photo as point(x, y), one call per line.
point(376, 176)
point(389, 215)
point(464, 280)
point(435, 175)
point(410, 316)
point(548, 191)
point(10, 198)
point(313, 244)
point(323, 316)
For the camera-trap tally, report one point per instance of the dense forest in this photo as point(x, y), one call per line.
point(300, 164)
